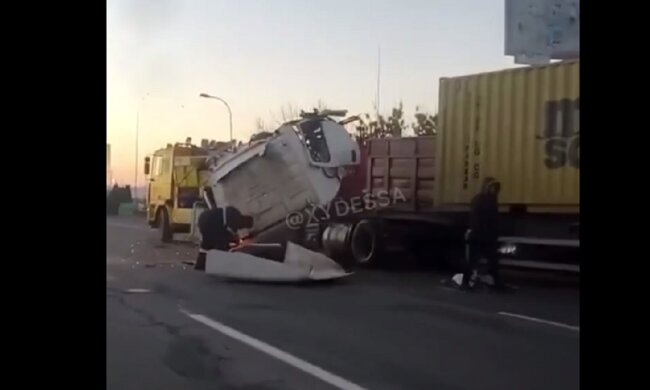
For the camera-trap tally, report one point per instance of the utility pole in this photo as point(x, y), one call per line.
point(137, 139)
point(137, 136)
point(378, 77)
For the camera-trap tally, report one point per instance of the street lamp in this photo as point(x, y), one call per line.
point(205, 95)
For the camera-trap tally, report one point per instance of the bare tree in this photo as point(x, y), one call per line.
point(260, 125)
point(381, 127)
point(394, 125)
point(425, 124)
point(321, 105)
point(289, 112)
point(261, 130)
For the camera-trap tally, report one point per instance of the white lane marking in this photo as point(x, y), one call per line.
point(287, 358)
point(138, 291)
point(541, 321)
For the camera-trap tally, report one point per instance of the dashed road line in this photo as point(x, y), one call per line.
point(138, 291)
point(270, 350)
point(541, 321)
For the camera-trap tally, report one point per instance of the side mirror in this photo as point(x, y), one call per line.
point(147, 165)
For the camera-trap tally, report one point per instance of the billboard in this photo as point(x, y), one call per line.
point(538, 31)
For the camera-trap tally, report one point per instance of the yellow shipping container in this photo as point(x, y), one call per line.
point(521, 126)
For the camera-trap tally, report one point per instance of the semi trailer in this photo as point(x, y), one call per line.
point(520, 126)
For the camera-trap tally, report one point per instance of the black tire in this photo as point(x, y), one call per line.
point(164, 226)
point(364, 244)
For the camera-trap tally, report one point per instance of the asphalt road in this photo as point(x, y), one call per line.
point(170, 327)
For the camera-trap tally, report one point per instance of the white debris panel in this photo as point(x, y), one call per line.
point(299, 265)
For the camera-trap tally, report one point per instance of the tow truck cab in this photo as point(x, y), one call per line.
point(174, 179)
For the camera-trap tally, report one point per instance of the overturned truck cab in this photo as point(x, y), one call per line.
point(279, 179)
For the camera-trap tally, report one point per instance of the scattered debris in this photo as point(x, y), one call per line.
point(457, 279)
point(477, 281)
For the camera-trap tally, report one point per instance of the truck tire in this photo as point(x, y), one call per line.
point(164, 226)
point(364, 244)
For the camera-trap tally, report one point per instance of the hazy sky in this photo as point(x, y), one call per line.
point(263, 55)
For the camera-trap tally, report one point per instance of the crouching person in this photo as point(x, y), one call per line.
point(218, 227)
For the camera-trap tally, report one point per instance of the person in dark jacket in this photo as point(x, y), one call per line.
point(482, 238)
point(218, 227)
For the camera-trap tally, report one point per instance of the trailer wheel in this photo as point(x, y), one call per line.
point(364, 243)
point(164, 225)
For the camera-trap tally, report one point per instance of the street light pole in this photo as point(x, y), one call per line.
point(137, 135)
point(205, 95)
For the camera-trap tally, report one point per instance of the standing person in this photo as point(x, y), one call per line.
point(218, 227)
point(483, 236)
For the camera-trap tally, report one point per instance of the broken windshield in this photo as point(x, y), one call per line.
point(314, 139)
